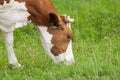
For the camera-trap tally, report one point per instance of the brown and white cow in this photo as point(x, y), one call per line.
point(54, 30)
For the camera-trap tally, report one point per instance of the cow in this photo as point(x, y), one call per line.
point(54, 30)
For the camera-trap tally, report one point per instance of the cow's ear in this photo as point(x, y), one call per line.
point(54, 19)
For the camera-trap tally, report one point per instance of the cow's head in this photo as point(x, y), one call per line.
point(57, 38)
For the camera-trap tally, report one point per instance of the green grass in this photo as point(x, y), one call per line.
point(96, 45)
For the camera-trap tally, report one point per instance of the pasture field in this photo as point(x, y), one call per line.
point(96, 45)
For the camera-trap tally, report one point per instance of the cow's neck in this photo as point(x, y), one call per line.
point(39, 11)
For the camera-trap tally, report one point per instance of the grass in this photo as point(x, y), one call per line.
point(96, 45)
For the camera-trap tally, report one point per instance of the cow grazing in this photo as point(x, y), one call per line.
point(54, 30)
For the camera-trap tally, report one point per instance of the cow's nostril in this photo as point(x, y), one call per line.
point(68, 37)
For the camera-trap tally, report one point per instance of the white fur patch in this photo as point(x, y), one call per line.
point(69, 54)
point(13, 15)
point(46, 40)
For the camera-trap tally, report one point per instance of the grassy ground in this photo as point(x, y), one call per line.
point(96, 45)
